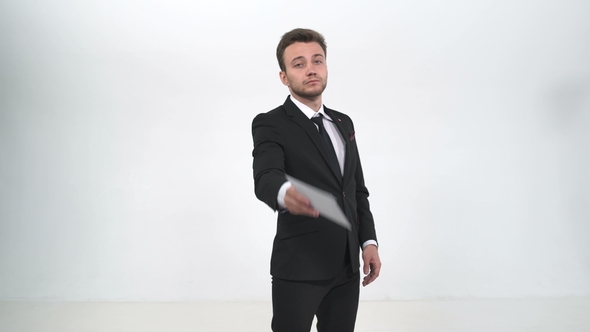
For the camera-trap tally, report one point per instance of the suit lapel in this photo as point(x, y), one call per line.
point(344, 134)
point(298, 117)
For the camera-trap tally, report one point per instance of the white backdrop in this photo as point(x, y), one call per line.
point(125, 144)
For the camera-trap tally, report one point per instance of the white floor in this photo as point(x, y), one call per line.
point(496, 315)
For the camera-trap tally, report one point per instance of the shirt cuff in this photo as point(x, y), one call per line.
point(282, 193)
point(369, 242)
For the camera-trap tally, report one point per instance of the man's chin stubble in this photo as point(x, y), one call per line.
point(310, 94)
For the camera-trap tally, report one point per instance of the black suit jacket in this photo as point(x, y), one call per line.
point(305, 248)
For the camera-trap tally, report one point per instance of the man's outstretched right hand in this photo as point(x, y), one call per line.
point(296, 203)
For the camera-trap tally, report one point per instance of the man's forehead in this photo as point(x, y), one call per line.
point(300, 47)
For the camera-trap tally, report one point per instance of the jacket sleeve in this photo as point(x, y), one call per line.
point(365, 222)
point(269, 160)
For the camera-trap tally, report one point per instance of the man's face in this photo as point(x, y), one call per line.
point(306, 73)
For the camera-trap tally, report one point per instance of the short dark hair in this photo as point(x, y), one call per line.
point(298, 35)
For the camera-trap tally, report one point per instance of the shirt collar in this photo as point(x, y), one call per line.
point(308, 111)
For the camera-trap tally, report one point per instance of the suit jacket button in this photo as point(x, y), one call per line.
point(343, 194)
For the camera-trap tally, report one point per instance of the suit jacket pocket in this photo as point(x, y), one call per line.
point(299, 228)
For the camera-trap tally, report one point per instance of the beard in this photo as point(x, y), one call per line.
point(309, 92)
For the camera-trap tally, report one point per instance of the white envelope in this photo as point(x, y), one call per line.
point(322, 201)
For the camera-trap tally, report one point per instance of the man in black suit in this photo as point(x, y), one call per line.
point(315, 263)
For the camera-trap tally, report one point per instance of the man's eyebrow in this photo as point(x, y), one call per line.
point(302, 57)
point(297, 58)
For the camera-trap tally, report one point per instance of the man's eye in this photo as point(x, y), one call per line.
point(298, 65)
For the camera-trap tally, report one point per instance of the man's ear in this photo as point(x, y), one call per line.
point(283, 78)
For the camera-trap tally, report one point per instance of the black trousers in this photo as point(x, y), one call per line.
point(333, 301)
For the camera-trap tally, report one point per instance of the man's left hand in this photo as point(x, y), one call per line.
point(372, 264)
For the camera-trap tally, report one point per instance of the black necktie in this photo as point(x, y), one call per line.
point(328, 144)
